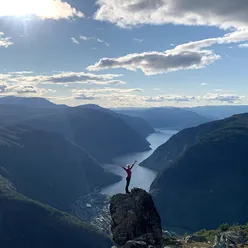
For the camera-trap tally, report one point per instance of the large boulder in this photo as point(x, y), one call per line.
point(195, 238)
point(229, 238)
point(135, 218)
point(171, 239)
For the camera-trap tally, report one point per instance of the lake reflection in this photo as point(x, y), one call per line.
point(141, 177)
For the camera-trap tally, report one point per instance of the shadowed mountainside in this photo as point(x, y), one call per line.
point(27, 223)
point(206, 184)
point(169, 118)
point(46, 167)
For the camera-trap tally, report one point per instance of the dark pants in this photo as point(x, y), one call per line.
point(127, 185)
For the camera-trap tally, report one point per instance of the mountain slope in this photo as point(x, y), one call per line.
point(170, 118)
point(220, 112)
point(34, 102)
point(138, 124)
point(26, 106)
point(100, 132)
point(46, 167)
point(26, 223)
point(207, 184)
point(103, 135)
point(164, 155)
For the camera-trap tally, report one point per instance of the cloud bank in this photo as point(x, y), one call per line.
point(222, 13)
point(152, 63)
point(63, 78)
point(6, 89)
point(225, 14)
point(43, 9)
point(5, 41)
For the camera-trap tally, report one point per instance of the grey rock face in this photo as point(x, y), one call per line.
point(195, 238)
point(135, 244)
point(135, 218)
point(229, 238)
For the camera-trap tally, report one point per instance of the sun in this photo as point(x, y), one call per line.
point(20, 8)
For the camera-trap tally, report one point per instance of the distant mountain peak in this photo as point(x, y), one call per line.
point(34, 102)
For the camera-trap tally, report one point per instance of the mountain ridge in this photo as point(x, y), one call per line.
point(103, 134)
point(46, 167)
point(205, 185)
point(169, 118)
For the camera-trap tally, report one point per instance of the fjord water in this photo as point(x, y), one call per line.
point(141, 177)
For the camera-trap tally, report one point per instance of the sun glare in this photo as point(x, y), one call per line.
point(40, 8)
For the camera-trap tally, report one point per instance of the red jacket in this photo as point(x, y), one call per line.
point(128, 171)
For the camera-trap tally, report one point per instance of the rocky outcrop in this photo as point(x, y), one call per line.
point(195, 238)
point(171, 240)
point(135, 220)
point(230, 238)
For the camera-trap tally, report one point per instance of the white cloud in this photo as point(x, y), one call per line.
point(209, 97)
point(169, 98)
point(85, 38)
point(6, 88)
point(233, 37)
point(107, 90)
point(225, 14)
point(5, 41)
point(43, 9)
point(221, 13)
point(85, 97)
point(21, 72)
point(138, 40)
point(185, 56)
point(219, 90)
point(102, 41)
point(74, 40)
point(152, 63)
point(113, 97)
point(156, 89)
point(204, 84)
point(5, 76)
point(243, 45)
point(107, 94)
point(66, 78)
point(227, 98)
point(111, 82)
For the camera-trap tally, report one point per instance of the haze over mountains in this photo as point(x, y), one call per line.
point(35, 102)
point(169, 118)
point(220, 112)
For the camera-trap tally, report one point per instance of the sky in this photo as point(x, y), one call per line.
point(125, 53)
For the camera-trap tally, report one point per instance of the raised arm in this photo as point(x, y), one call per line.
point(133, 164)
point(123, 167)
